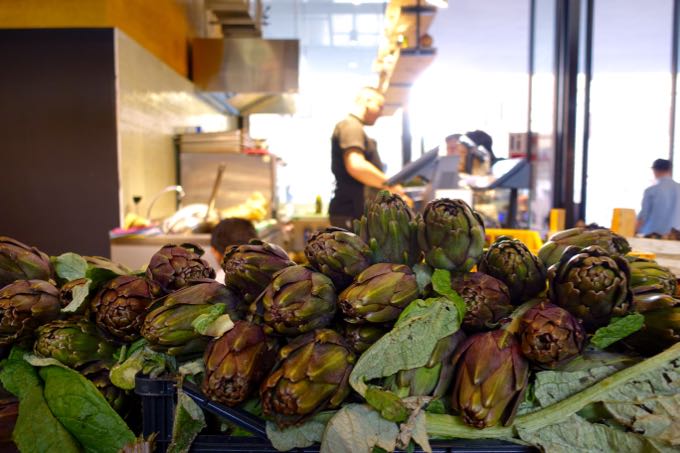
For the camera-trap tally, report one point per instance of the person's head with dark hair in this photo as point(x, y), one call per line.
point(232, 231)
point(483, 139)
point(662, 167)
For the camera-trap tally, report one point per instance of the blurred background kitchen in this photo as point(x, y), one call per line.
point(128, 124)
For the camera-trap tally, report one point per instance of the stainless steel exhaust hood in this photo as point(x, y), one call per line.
point(252, 75)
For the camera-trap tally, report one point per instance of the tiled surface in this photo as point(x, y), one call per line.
point(154, 103)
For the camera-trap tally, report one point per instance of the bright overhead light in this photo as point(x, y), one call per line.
point(438, 3)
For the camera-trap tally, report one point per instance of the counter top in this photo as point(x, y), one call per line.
point(163, 239)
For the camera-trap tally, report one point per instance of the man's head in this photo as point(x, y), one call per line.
point(369, 103)
point(661, 168)
point(231, 231)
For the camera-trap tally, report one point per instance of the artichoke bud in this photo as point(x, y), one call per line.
point(511, 262)
point(490, 379)
point(550, 335)
point(339, 254)
point(360, 337)
point(487, 300)
point(379, 294)
point(660, 331)
point(176, 266)
point(312, 374)
point(591, 284)
point(582, 237)
point(451, 234)
point(18, 261)
point(25, 305)
point(74, 342)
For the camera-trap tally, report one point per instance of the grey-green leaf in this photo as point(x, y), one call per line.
point(70, 266)
point(189, 421)
point(357, 428)
point(301, 436)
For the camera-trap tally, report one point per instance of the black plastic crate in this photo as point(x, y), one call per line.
point(158, 410)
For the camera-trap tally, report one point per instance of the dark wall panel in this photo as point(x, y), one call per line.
point(58, 151)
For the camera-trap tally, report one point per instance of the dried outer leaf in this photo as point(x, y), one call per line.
point(302, 436)
point(189, 421)
point(358, 428)
point(656, 417)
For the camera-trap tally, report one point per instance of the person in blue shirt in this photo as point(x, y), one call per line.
point(661, 202)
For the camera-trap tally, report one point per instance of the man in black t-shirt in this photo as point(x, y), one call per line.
point(355, 161)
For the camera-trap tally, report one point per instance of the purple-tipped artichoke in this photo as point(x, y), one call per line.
point(660, 331)
point(296, 301)
point(339, 254)
point(388, 226)
point(25, 305)
point(98, 374)
point(487, 300)
point(74, 342)
point(451, 234)
point(249, 268)
point(379, 294)
point(591, 284)
point(582, 237)
point(18, 261)
point(237, 362)
point(312, 374)
point(120, 306)
point(433, 378)
point(490, 379)
point(550, 335)
point(360, 337)
point(511, 262)
point(168, 325)
point(176, 266)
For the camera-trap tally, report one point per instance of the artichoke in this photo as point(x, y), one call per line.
point(379, 294)
point(582, 237)
point(74, 342)
point(296, 301)
point(433, 378)
point(360, 337)
point(25, 305)
point(487, 300)
point(660, 331)
point(550, 335)
point(18, 261)
point(237, 362)
point(451, 234)
point(490, 379)
point(312, 374)
point(388, 226)
point(511, 262)
point(175, 266)
point(249, 267)
point(120, 306)
point(98, 374)
point(647, 276)
point(339, 254)
point(67, 291)
point(591, 284)
point(168, 325)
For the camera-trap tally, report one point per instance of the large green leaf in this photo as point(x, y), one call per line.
point(358, 428)
point(70, 266)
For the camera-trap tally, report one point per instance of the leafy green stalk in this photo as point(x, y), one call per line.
point(450, 426)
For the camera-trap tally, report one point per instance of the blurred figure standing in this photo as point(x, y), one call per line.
point(661, 202)
point(231, 231)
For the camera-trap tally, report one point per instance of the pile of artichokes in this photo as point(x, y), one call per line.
point(295, 331)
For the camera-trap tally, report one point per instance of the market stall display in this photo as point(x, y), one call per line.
point(394, 338)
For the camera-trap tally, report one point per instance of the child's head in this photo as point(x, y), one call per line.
point(230, 232)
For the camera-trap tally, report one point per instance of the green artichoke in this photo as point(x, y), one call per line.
point(237, 362)
point(296, 301)
point(379, 294)
point(249, 267)
point(25, 305)
point(660, 331)
point(339, 254)
point(550, 335)
point(487, 300)
point(98, 374)
point(176, 266)
point(18, 261)
point(312, 374)
point(74, 342)
point(591, 284)
point(168, 323)
point(451, 234)
point(647, 276)
point(653, 301)
point(432, 379)
point(582, 237)
point(120, 306)
point(490, 379)
point(388, 226)
point(360, 337)
point(511, 262)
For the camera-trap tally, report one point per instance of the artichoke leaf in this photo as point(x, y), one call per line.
point(79, 293)
point(189, 421)
point(441, 282)
point(618, 329)
point(302, 436)
point(70, 266)
point(357, 427)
